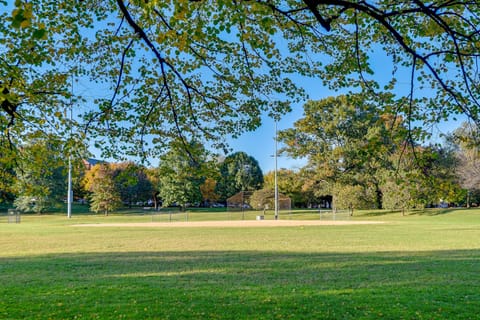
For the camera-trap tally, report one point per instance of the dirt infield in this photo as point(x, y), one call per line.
point(234, 224)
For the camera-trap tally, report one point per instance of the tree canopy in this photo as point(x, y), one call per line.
point(359, 155)
point(208, 69)
point(105, 196)
point(40, 181)
point(346, 140)
point(180, 178)
point(238, 172)
point(464, 141)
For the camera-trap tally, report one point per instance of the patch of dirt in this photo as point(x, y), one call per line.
point(234, 224)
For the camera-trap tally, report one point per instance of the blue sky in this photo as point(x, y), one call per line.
point(261, 143)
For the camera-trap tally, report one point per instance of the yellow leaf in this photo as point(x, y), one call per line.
point(25, 24)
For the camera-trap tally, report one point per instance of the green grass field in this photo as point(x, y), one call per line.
point(420, 266)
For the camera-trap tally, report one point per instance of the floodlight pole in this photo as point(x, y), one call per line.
point(70, 191)
point(276, 169)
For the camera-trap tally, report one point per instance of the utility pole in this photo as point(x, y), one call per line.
point(70, 191)
point(276, 169)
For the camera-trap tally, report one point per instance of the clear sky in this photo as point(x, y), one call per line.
point(261, 143)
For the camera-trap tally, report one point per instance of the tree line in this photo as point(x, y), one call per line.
point(358, 157)
point(367, 158)
point(38, 181)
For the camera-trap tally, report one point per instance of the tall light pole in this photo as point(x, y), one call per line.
point(70, 191)
point(276, 169)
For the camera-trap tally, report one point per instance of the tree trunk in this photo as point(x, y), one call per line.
point(155, 199)
point(378, 197)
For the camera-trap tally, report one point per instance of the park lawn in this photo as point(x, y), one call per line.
point(419, 266)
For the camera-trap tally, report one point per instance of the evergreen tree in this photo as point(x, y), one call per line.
point(238, 172)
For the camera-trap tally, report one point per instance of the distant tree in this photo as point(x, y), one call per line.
point(40, 176)
point(207, 189)
point(91, 175)
point(352, 197)
point(289, 183)
point(132, 182)
point(105, 196)
point(438, 165)
point(180, 175)
point(7, 179)
point(154, 180)
point(263, 199)
point(467, 141)
point(346, 140)
point(78, 176)
point(238, 172)
point(315, 190)
point(420, 176)
point(402, 190)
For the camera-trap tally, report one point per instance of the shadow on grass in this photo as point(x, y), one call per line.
point(242, 285)
point(420, 212)
point(437, 211)
point(379, 213)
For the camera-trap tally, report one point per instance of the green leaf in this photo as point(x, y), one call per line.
point(40, 34)
point(18, 18)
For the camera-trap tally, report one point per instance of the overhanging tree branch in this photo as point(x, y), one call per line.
point(382, 17)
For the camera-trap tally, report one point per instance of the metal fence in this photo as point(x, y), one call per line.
point(13, 216)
